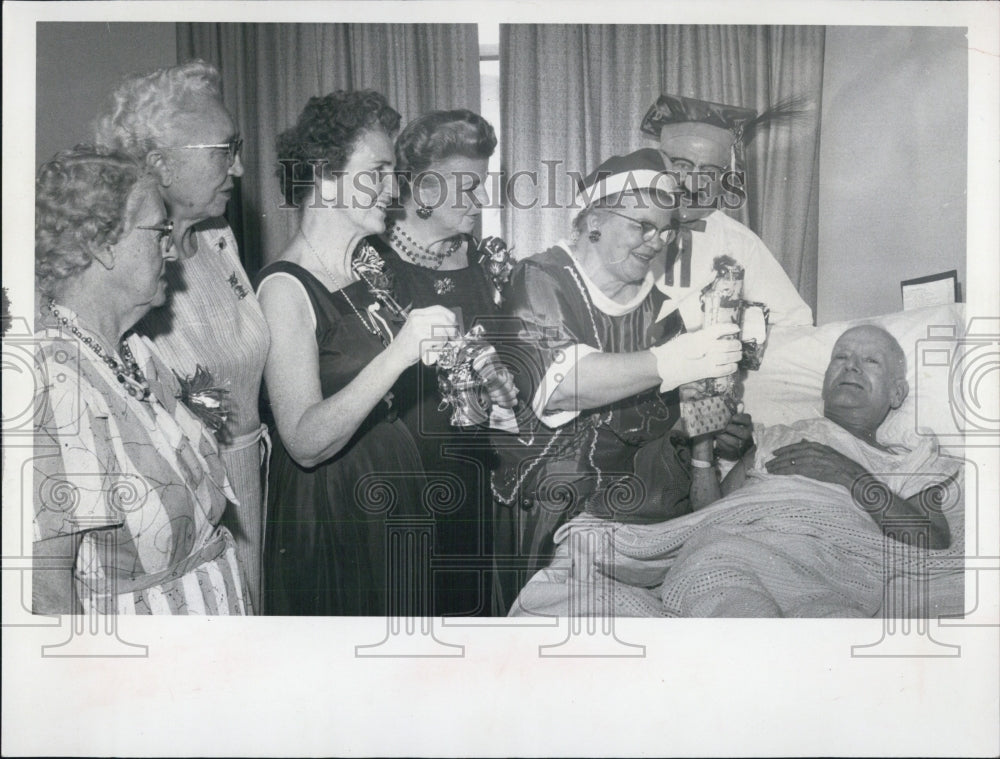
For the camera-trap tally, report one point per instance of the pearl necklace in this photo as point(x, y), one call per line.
point(131, 377)
point(419, 252)
point(368, 324)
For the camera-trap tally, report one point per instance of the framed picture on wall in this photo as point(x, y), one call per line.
point(932, 290)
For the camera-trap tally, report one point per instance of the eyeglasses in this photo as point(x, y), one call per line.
point(234, 148)
point(164, 236)
point(683, 164)
point(649, 230)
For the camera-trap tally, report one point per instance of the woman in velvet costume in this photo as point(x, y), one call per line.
point(598, 367)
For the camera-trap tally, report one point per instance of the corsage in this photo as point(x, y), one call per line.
point(494, 256)
point(206, 400)
point(370, 267)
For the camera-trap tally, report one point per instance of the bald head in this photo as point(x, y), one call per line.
point(865, 379)
point(874, 333)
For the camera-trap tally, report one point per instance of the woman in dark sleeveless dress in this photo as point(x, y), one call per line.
point(345, 468)
point(441, 159)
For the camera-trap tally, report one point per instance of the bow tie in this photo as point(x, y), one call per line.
point(698, 225)
point(680, 246)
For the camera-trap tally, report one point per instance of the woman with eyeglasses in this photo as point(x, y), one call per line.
point(128, 485)
point(211, 332)
point(598, 356)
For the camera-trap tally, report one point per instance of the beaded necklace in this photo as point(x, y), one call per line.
point(130, 376)
point(369, 324)
point(418, 252)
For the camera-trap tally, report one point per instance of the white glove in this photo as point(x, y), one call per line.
point(709, 352)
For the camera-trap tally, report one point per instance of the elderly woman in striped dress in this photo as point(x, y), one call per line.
point(128, 485)
point(174, 122)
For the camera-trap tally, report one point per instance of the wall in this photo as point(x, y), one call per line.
point(78, 66)
point(893, 151)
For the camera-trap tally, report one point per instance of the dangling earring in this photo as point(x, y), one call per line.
point(424, 212)
point(595, 235)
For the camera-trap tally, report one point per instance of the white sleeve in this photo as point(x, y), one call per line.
point(766, 281)
point(554, 376)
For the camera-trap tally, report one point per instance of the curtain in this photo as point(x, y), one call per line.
point(269, 71)
point(575, 94)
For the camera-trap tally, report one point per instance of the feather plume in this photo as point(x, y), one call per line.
point(789, 110)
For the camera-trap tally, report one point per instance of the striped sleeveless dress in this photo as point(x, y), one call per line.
point(212, 319)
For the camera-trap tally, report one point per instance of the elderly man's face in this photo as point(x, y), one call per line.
point(866, 376)
point(700, 159)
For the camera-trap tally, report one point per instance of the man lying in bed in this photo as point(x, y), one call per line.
point(802, 528)
point(865, 379)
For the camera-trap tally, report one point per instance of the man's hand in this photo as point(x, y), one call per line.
point(818, 461)
point(736, 439)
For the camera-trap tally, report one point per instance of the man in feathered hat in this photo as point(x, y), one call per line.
point(701, 141)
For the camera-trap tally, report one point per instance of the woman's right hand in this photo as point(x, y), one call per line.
point(424, 334)
point(710, 352)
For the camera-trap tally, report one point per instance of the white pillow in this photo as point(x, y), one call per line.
point(789, 383)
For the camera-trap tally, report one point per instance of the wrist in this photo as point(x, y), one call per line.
point(702, 447)
point(662, 363)
point(702, 455)
point(397, 358)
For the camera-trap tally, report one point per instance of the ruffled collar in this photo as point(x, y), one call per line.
point(603, 302)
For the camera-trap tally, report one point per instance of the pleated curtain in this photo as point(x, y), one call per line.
point(573, 95)
point(269, 71)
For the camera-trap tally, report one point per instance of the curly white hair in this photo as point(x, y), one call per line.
point(143, 107)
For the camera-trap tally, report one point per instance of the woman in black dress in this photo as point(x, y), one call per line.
point(441, 159)
point(344, 466)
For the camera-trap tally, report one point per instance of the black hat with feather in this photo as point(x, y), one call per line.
point(674, 115)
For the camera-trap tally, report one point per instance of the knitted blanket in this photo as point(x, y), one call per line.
point(779, 546)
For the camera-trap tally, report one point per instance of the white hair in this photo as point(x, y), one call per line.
point(142, 108)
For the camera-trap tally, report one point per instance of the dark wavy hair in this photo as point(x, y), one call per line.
point(81, 205)
point(438, 135)
point(328, 129)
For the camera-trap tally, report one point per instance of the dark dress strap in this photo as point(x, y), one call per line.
point(323, 304)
